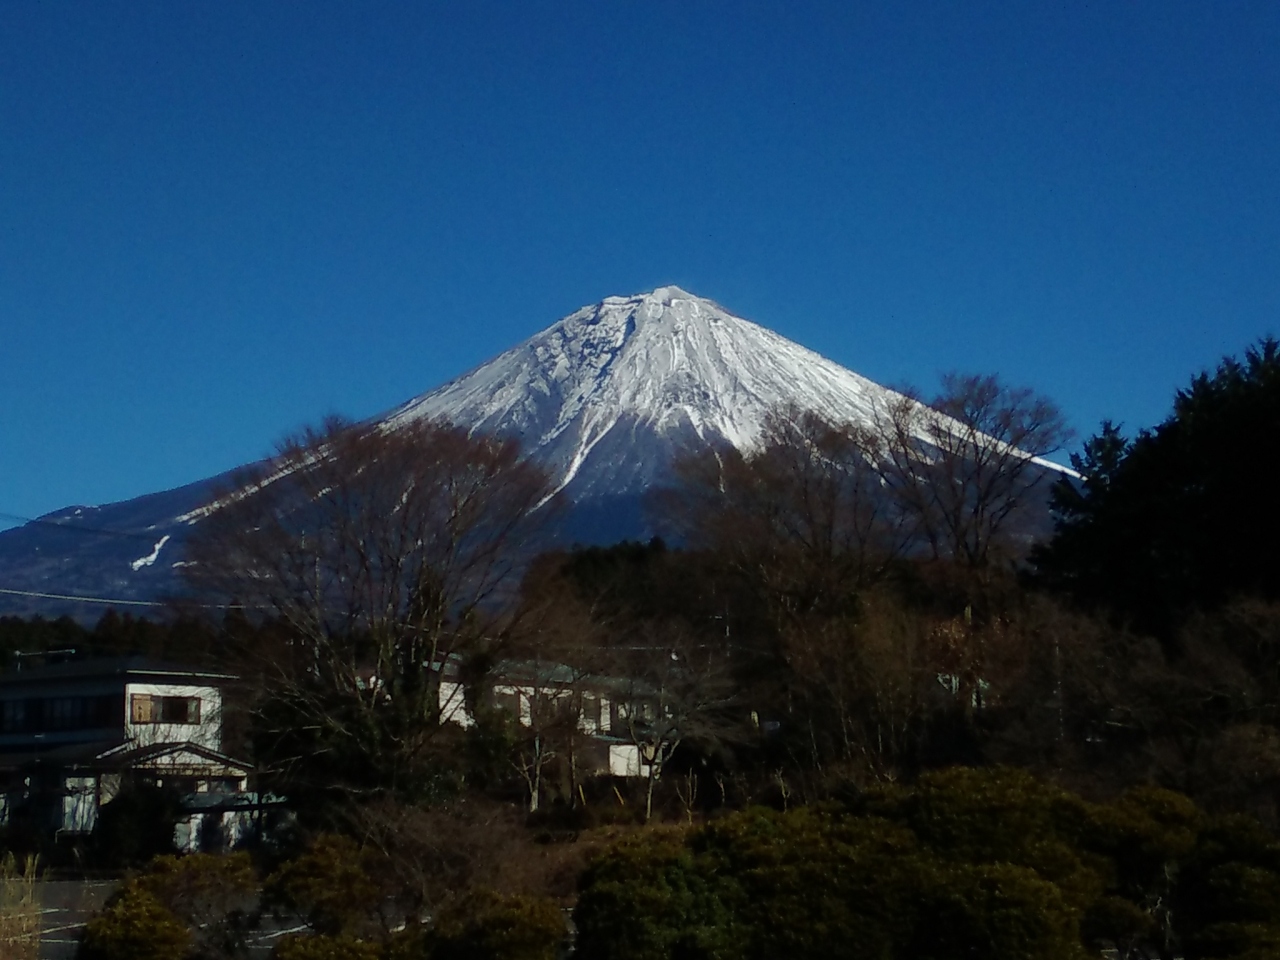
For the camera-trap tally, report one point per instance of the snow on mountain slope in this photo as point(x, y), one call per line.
point(604, 397)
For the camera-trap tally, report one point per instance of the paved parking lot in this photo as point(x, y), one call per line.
point(66, 906)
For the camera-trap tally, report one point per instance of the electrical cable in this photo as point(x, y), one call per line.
point(113, 600)
point(63, 596)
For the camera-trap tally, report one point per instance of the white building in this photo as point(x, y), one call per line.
point(73, 733)
point(526, 688)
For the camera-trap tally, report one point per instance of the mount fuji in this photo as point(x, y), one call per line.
point(607, 397)
point(604, 400)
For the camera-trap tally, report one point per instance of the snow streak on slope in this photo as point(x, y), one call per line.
point(604, 400)
point(602, 397)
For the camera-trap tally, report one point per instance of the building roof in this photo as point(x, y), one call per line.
point(118, 754)
point(550, 674)
point(135, 668)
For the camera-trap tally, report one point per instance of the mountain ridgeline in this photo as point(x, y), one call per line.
point(605, 400)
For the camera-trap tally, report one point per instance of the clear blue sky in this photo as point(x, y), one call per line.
point(220, 221)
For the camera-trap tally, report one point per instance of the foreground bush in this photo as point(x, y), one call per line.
point(322, 947)
point(970, 863)
point(481, 925)
point(335, 886)
point(197, 906)
point(134, 926)
point(809, 885)
point(487, 926)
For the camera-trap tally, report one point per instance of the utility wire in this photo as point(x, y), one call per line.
point(63, 596)
point(114, 600)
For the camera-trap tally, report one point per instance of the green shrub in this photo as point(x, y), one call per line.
point(332, 885)
point(486, 926)
point(134, 926)
point(807, 881)
point(993, 911)
point(648, 897)
point(323, 947)
point(971, 863)
point(215, 895)
point(1228, 898)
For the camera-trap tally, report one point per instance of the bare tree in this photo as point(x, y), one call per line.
point(551, 679)
point(676, 691)
point(378, 557)
point(544, 700)
point(859, 686)
point(967, 465)
point(805, 515)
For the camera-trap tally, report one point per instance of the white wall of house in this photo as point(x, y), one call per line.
point(594, 719)
point(599, 716)
point(624, 761)
point(206, 731)
point(453, 704)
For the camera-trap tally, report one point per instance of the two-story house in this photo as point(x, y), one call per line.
point(71, 733)
point(533, 691)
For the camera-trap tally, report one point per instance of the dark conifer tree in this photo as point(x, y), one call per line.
point(1183, 517)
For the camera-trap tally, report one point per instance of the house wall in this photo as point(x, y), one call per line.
point(625, 761)
point(453, 704)
point(207, 732)
point(600, 718)
point(596, 717)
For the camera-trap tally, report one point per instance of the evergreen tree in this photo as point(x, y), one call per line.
point(1182, 517)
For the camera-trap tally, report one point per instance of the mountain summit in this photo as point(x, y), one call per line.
point(605, 400)
point(606, 397)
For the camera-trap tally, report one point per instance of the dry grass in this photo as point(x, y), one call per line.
point(19, 910)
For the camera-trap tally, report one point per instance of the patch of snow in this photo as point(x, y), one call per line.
point(150, 558)
point(640, 372)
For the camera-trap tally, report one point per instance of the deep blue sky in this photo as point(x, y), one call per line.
point(221, 221)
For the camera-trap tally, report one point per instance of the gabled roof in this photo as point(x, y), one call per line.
point(126, 755)
point(122, 755)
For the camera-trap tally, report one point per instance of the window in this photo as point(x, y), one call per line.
point(104, 711)
point(179, 709)
point(14, 718)
point(146, 708)
point(590, 718)
point(508, 701)
point(142, 708)
point(64, 713)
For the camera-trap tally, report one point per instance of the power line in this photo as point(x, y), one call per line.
point(64, 596)
point(116, 601)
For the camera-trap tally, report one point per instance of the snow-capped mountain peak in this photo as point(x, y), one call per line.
point(594, 395)
point(604, 399)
